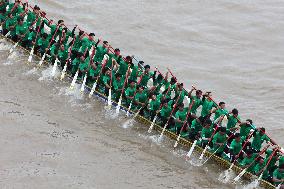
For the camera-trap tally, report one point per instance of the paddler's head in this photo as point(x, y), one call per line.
point(92, 36)
point(44, 36)
point(260, 160)
point(180, 86)
point(262, 131)
point(17, 2)
point(36, 9)
point(207, 123)
point(10, 15)
point(128, 59)
point(249, 153)
point(222, 131)
point(235, 112)
point(105, 44)
point(132, 83)
point(153, 97)
point(173, 81)
point(107, 71)
point(20, 21)
point(140, 88)
point(198, 93)
point(117, 77)
point(238, 137)
point(117, 52)
point(147, 68)
point(222, 105)
point(180, 107)
point(165, 103)
point(60, 22)
point(249, 122)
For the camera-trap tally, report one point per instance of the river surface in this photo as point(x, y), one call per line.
point(55, 138)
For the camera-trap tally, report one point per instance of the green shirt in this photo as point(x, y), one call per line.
point(236, 147)
point(258, 139)
point(207, 106)
point(95, 72)
point(258, 168)
point(141, 97)
point(83, 66)
point(218, 138)
point(247, 161)
point(181, 115)
point(11, 22)
point(197, 103)
point(134, 73)
point(43, 43)
point(100, 52)
point(123, 66)
point(130, 91)
point(196, 125)
point(155, 104)
point(118, 84)
point(166, 111)
point(245, 130)
point(232, 121)
point(278, 175)
point(219, 112)
point(206, 133)
point(145, 78)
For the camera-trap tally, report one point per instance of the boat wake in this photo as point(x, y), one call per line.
point(253, 185)
point(32, 72)
point(4, 46)
point(227, 176)
point(128, 123)
point(47, 74)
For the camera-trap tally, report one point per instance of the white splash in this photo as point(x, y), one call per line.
point(47, 74)
point(227, 176)
point(128, 123)
point(13, 55)
point(74, 93)
point(4, 46)
point(110, 114)
point(253, 185)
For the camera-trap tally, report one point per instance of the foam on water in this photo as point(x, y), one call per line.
point(12, 55)
point(128, 123)
point(4, 46)
point(74, 94)
point(253, 185)
point(110, 113)
point(32, 71)
point(227, 176)
point(47, 74)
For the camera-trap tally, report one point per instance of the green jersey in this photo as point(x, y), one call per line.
point(118, 84)
point(95, 72)
point(197, 103)
point(258, 168)
point(11, 22)
point(145, 77)
point(245, 130)
point(181, 115)
point(123, 67)
point(43, 44)
point(218, 138)
point(134, 73)
point(236, 147)
point(84, 65)
point(206, 133)
point(141, 97)
point(196, 126)
point(247, 161)
point(258, 139)
point(232, 121)
point(278, 175)
point(219, 112)
point(166, 111)
point(130, 92)
point(100, 52)
point(207, 106)
point(155, 105)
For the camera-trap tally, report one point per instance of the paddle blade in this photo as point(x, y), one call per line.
point(203, 152)
point(31, 55)
point(191, 149)
point(240, 175)
point(128, 111)
point(152, 124)
point(42, 59)
point(83, 84)
point(63, 72)
point(74, 80)
point(109, 98)
point(176, 143)
point(93, 89)
point(163, 131)
point(7, 34)
point(54, 67)
point(118, 105)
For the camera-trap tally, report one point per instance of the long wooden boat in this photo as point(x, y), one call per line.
point(146, 122)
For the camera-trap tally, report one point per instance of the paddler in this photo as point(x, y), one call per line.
point(278, 175)
point(259, 137)
point(233, 119)
point(180, 117)
point(101, 50)
point(140, 98)
point(207, 104)
point(236, 147)
point(258, 168)
point(129, 92)
point(219, 141)
point(145, 76)
point(197, 101)
point(219, 111)
point(206, 133)
point(22, 32)
point(248, 160)
point(117, 84)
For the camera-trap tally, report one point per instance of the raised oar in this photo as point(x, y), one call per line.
point(164, 129)
point(211, 138)
point(44, 55)
point(110, 85)
point(68, 59)
point(104, 61)
point(185, 122)
point(122, 90)
point(237, 178)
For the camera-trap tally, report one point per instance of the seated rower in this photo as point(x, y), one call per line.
point(207, 104)
point(236, 147)
point(22, 32)
point(114, 57)
point(220, 111)
point(10, 26)
point(248, 160)
point(123, 65)
point(76, 62)
point(219, 141)
point(130, 92)
point(42, 44)
point(140, 98)
point(197, 101)
point(117, 84)
point(206, 133)
point(154, 105)
point(180, 93)
point(145, 76)
point(259, 137)
point(233, 119)
point(62, 54)
point(259, 168)
point(135, 71)
point(246, 128)
point(94, 72)
point(272, 165)
point(180, 117)
point(84, 66)
point(106, 81)
point(166, 110)
point(101, 50)
point(77, 44)
point(278, 176)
